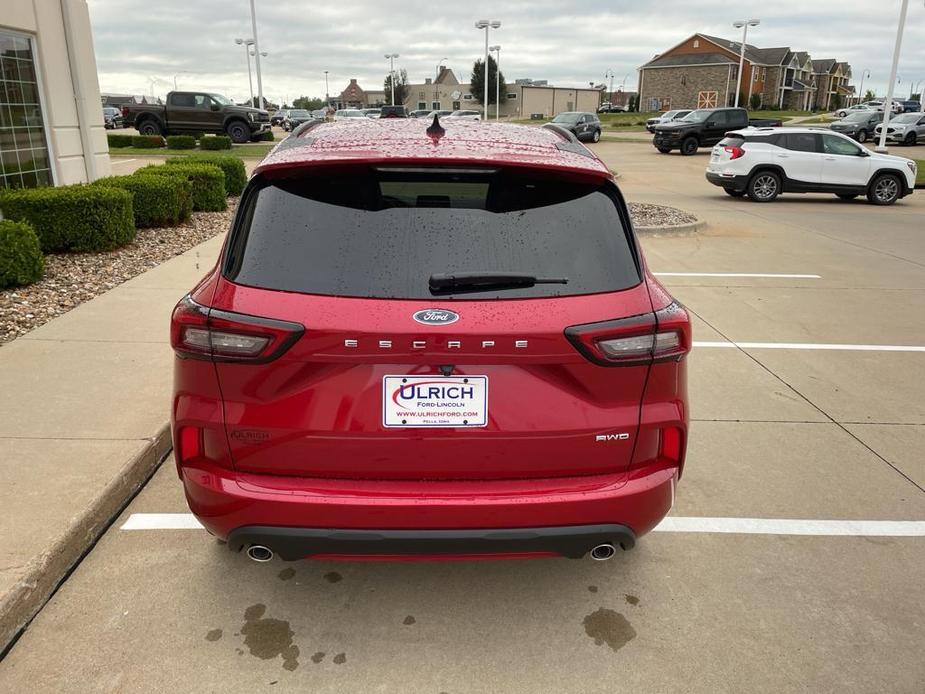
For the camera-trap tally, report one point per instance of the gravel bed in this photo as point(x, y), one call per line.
point(645, 215)
point(73, 278)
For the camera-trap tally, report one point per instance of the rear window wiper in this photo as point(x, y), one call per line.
point(486, 281)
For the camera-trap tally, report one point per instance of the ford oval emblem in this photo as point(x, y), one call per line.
point(436, 316)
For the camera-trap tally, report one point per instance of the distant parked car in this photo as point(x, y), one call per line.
point(112, 118)
point(319, 114)
point(397, 111)
point(371, 112)
point(858, 125)
point(278, 117)
point(666, 117)
point(442, 114)
point(879, 106)
point(466, 115)
point(295, 118)
point(704, 128)
point(907, 128)
point(198, 112)
point(344, 113)
point(419, 113)
point(911, 106)
point(585, 126)
point(611, 108)
point(842, 112)
point(762, 163)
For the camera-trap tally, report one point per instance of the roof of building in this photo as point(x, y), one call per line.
point(446, 76)
point(802, 57)
point(824, 65)
point(681, 59)
point(405, 140)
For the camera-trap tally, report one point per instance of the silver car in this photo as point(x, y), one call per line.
point(906, 128)
point(666, 117)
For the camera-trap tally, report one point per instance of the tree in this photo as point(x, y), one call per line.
point(477, 87)
point(836, 102)
point(401, 87)
point(869, 95)
point(754, 103)
point(309, 103)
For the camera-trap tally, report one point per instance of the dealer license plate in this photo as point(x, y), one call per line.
point(434, 401)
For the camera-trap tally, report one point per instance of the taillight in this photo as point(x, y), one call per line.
point(669, 445)
point(646, 339)
point(735, 152)
point(201, 333)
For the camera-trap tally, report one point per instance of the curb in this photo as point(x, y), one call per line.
point(45, 572)
point(677, 230)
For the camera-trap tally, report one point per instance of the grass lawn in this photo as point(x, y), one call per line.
point(920, 172)
point(256, 150)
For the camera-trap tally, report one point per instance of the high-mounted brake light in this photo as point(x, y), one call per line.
point(201, 333)
point(735, 152)
point(645, 339)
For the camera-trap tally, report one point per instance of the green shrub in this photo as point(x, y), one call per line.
point(233, 168)
point(148, 141)
point(198, 136)
point(156, 200)
point(267, 136)
point(214, 142)
point(21, 259)
point(73, 218)
point(116, 141)
point(207, 180)
point(181, 142)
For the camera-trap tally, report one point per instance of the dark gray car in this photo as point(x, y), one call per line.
point(858, 125)
point(585, 126)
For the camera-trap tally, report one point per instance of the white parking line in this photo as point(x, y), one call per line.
point(812, 345)
point(121, 161)
point(672, 524)
point(738, 274)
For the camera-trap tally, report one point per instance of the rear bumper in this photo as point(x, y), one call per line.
point(730, 182)
point(298, 517)
point(292, 544)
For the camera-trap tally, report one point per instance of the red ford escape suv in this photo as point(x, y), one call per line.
point(431, 341)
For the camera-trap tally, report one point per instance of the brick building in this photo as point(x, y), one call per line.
point(702, 71)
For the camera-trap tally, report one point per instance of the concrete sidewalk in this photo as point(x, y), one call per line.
point(83, 424)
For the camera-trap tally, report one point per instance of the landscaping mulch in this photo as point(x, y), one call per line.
point(646, 215)
point(73, 278)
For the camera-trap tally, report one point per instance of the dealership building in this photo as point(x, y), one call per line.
point(51, 125)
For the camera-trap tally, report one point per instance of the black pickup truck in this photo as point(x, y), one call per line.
point(197, 112)
point(704, 128)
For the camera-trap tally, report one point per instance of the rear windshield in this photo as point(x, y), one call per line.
point(383, 233)
point(732, 141)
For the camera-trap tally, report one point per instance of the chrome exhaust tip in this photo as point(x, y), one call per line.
point(260, 553)
point(603, 552)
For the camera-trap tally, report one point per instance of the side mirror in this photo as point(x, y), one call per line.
point(215, 107)
point(710, 124)
point(864, 153)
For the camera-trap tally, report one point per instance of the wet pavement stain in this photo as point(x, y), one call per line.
point(631, 599)
point(268, 638)
point(409, 620)
point(333, 577)
point(286, 574)
point(607, 626)
point(592, 589)
point(340, 658)
point(214, 635)
point(318, 657)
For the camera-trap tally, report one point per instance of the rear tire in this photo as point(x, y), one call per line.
point(734, 193)
point(847, 196)
point(596, 137)
point(238, 132)
point(149, 127)
point(664, 150)
point(862, 136)
point(884, 189)
point(764, 186)
point(689, 146)
point(910, 139)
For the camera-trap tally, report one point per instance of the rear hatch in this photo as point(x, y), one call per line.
point(433, 348)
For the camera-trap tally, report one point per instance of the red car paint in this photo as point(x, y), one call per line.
point(295, 438)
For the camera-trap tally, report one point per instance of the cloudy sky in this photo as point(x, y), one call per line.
point(142, 46)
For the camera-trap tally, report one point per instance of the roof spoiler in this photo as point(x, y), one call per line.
point(567, 134)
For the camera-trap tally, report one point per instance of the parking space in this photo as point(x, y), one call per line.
point(815, 415)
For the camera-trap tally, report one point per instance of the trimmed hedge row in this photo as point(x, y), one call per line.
point(268, 136)
point(181, 142)
point(148, 141)
point(73, 218)
point(117, 141)
point(21, 259)
point(214, 142)
point(207, 180)
point(157, 201)
point(232, 167)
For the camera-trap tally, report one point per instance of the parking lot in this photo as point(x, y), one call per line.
point(806, 388)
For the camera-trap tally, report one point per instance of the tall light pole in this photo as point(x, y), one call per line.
point(486, 24)
point(392, 57)
point(743, 25)
point(864, 73)
point(609, 74)
point(888, 104)
point(263, 54)
point(258, 54)
point(247, 43)
point(497, 51)
point(327, 98)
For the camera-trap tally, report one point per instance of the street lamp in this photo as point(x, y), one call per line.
point(497, 51)
point(391, 57)
point(743, 25)
point(247, 43)
point(258, 54)
point(327, 98)
point(864, 73)
point(486, 24)
point(609, 75)
point(888, 104)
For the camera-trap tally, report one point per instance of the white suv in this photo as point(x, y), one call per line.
point(907, 128)
point(764, 162)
